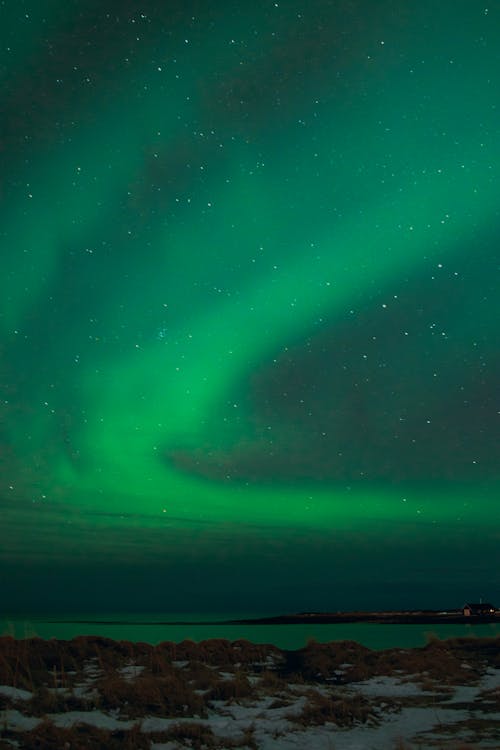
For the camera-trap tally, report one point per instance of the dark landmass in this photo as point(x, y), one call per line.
point(410, 617)
point(417, 617)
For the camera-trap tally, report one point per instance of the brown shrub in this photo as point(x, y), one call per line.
point(234, 689)
point(159, 663)
point(30, 662)
point(168, 650)
point(248, 653)
point(6, 671)
point(489, 700)
point(442, 660)
point(108, 653)
point(279, 703)
point(196, 735)
point(15, 668)
point(186, 650)
point(46, 701)
point(147, 694)
point(82, 737)
point(439, 662)
point(200, 676)
point(339, 709)
point(319, 661)
point(270, 681)
point(219, 652)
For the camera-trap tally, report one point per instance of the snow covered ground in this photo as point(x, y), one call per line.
point(281, 702)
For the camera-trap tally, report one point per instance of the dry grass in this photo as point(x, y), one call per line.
point(489, 700)
point(45, 701)
point(341, 710)
point(477, 729)
point(200, 737)
point(167, 696)
point(200, 676)
point(81, 737)
point(218, 652)
point(438, 661)
point(84, 737)
point(231, 690)
point(195, 735)
point(163, 689)
point(270, 682)
point(400, 744)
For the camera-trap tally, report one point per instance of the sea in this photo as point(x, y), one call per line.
point(157, 627)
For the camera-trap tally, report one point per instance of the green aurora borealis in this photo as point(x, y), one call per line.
point(249, 304)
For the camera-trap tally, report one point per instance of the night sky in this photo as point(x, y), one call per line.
point(249, 304)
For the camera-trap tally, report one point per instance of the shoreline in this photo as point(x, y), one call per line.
point(381, 618)
point(304, 618)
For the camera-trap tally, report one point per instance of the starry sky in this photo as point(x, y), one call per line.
point(249, 304)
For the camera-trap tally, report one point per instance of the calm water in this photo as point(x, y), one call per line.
point(147, 628)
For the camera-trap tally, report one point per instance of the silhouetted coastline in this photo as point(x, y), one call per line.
point(425, 617)
point(416, 617)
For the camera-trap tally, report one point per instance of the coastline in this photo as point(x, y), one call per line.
point(417, 617)
point(383, 618)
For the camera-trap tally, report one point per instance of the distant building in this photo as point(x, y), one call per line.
point(478, 610)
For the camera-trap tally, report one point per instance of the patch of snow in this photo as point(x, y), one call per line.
point(91, 668)
point(387, 687)
point(131, 671)
point(93, 718)
point(463, 694)
point(15, 693)
point(270, 661)
point(319, 738)
point(469, 693)
point(158, 724)
point(226, 675)
point(491, 679)
point(230, 721)
point(16, 722)
point(261, 709)
point(405, 724)
point(85, 691)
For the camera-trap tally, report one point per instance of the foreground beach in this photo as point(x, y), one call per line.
point(92, 692)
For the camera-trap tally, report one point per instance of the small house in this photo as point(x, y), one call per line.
point(473, 609)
